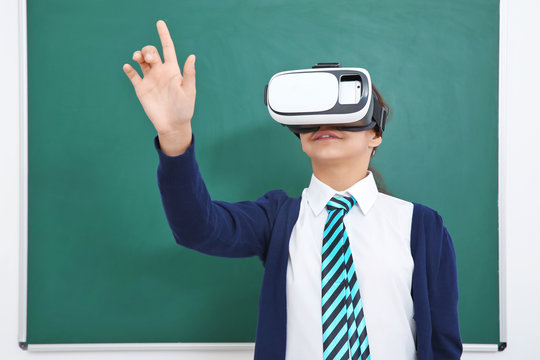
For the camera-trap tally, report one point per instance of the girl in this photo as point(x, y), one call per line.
point(349, 272)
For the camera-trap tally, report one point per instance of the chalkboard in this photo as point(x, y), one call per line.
point(103, 266)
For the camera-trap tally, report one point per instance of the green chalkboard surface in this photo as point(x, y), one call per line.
point(103, 266)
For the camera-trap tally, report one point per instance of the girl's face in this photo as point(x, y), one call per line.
point(331, 145)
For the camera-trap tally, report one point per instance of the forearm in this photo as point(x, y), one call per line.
point(183, 197)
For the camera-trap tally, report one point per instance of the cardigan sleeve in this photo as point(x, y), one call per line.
point(446, 340)
point(443, 295)
point(434, 287)
point(217, 228)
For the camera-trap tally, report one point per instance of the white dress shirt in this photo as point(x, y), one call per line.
point(379, 229)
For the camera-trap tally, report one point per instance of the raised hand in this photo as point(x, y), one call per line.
point(167, 97)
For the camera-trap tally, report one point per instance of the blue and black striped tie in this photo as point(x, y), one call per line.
point(343, 323)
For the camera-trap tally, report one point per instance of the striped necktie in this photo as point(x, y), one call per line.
point(343, 323)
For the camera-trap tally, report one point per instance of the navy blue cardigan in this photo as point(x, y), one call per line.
point(263, 228)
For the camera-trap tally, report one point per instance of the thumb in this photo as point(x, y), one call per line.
point(189, 73)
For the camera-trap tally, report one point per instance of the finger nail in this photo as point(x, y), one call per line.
point(147, 57)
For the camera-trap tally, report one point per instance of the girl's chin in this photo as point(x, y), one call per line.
point(328, 157)
point(333, 155)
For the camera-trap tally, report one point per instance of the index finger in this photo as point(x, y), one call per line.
point(169, 53)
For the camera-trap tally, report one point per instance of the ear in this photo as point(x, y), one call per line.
point(375, 138)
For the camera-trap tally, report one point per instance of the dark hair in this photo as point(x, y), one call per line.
point(377, 175)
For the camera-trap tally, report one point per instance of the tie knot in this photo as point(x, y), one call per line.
point(341, 203)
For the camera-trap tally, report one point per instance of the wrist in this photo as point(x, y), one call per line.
point(175, 142)
point(174, 131)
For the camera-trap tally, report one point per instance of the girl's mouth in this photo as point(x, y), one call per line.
point(324, 135)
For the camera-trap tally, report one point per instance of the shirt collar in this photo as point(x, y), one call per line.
point(364, 191)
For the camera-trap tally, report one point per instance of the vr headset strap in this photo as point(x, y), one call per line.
point(379, 113)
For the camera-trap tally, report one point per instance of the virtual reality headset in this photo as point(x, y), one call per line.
point(303, 100)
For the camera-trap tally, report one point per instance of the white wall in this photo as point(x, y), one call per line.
point(520, 192)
